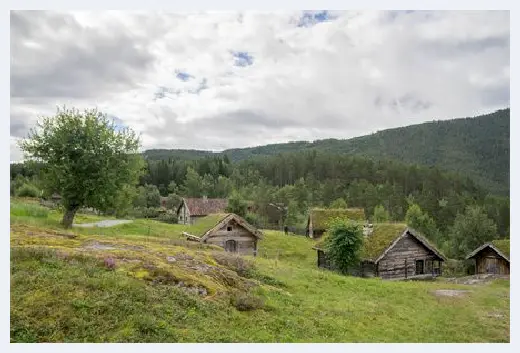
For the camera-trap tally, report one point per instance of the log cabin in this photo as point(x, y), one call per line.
point(192, 209)
point(318, 219)
point(492, 258)
point(229, 231)
point(392, 251)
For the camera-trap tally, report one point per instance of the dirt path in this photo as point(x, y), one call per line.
point(104, 223)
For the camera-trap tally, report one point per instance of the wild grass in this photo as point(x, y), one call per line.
point(63, 291)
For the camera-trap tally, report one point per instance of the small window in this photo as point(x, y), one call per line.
point(229, 228)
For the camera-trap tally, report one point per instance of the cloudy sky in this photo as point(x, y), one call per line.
point(228, 79)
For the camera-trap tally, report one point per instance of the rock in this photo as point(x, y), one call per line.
point(170, 259)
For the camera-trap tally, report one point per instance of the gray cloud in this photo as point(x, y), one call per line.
point(54, 56)
point(355, 74)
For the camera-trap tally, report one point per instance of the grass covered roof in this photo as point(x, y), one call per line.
point(383, 235)
point(502, 245)
point(374, 245)
point(203, 224)
point(322, 216)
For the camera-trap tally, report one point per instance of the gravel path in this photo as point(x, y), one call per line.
point(105, 223)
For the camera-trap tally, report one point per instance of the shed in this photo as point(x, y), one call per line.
point(393, 251)
point(317, 222)
point(192, 209)
point(229, 231)
point(492, 258)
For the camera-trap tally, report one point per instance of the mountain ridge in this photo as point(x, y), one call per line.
point(477, 147)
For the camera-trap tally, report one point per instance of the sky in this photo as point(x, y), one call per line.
point(218, 80)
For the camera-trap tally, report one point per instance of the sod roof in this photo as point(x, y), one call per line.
point(502, 245)
point(322, 216)
point(203, 224)
point(383, 236)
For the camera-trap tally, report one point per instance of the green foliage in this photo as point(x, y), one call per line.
point(421, 222)
point(28, 210)
point(27, 190)
point(236, 204)
point(343, 243)
point(381, 215)
point(338, 203)
point(148, 196)
point(252, 219)
point(168, 217)
point(470, 230)
point(193, 184)
point(173, 201)
point(321, 217)
point(86, 159)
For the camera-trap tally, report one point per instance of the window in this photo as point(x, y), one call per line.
point(231, 246)
point(229, 228)
point(419, 267)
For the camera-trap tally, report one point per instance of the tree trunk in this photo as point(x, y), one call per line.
point(68, 217)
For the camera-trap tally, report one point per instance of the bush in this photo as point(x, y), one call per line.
point(144, 212)
point(29, 210)
point(252, 219)
point(168, 218)
point(246, 302)
point(27, 190)
point(236, 263)
point(343, 243)
point(458, 268)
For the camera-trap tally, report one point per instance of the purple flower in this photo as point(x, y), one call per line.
point(110, 263)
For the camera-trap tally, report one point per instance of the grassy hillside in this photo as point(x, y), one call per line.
point(476, 147)
point(65, 288)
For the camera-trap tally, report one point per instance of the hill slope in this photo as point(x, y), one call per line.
point(163, 288)
point(476, 147)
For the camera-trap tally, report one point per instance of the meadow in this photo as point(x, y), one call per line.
point(143, 282)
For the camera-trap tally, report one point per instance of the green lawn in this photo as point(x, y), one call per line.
point(61, 291)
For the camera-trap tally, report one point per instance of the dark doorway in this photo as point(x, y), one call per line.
point(231, 246)
point(419, 267)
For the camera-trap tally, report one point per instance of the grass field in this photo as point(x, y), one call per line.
point(64, 290)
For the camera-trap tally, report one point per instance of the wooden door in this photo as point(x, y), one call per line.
point(231, 246)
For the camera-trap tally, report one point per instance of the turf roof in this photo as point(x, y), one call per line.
point(381, 238)
point(203, 224)
point(322, 216)
point(502, 245)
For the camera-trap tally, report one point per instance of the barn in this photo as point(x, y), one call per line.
point(229, 231)
point(392, 251)
point(492, 258)
point(192, 209)
point(318, 219)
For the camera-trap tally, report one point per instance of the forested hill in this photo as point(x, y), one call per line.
point(476, 147)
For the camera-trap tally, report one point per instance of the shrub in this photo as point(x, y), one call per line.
point(240, 265)
point(144, 212)
point(168, 218)
point(29, 210)
point(343, 244)
point(252, 219)
point(27, 190)
point(246, 302)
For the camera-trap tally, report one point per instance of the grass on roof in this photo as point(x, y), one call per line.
point(502, 245)
point(322, 216)
point(373, 246)
point(203, 224)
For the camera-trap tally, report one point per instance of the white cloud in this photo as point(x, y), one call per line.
point(357, 73)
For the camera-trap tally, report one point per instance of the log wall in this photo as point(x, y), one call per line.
point(246, 242)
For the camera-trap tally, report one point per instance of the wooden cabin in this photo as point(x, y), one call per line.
point(318, 219)
point(192, 209)
point(492, 258)
point(392, 251)
point(229, 231)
